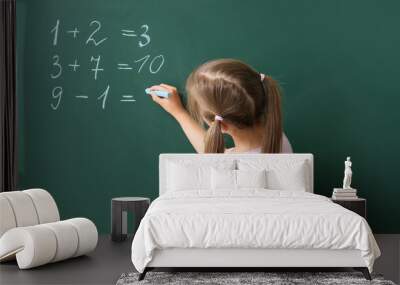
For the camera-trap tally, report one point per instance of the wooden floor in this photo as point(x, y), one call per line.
point(103, 266)
point(389, 262)
point(110, 260)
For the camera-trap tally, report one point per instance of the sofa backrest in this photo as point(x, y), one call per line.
point(26, 208)
point(283, 168)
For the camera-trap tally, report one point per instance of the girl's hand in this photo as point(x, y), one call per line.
point(173, 103)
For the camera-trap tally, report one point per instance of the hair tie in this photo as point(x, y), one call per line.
point(262, 76)
point(218, 118)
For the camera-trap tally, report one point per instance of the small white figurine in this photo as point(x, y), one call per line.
point(348, 173)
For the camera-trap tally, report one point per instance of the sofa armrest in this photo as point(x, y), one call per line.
point(40, 244)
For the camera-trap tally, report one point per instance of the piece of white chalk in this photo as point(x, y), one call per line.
point(159, 93)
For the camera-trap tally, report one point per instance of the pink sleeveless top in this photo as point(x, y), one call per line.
point(286, 147)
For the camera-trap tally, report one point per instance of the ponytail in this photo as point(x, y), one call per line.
point(239, 93)
point(272, 140)
point(214, 139)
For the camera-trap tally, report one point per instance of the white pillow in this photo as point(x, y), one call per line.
point(237, 179)
point(223, 179)
point(293, 179)
point(281, 175)
point(251, 178)
point(184, 175)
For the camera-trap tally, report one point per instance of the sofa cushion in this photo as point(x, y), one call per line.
point(26, 208)
point(46, 207)
point(23, 208)
point(7, 220)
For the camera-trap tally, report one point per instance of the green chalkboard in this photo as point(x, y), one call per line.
point(89, 133)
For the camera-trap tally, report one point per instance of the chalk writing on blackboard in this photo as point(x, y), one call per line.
point(127, 98)
point(128, 33)
point(57, 67)
point(91, 38)
point(103, 97)
point(155, 64)
point(124, 66)
point(55, 31)
point(145, 36)
point(94, 66)
point(56, 94)
point(74, 32)
point(74, 65)
point(96, 69)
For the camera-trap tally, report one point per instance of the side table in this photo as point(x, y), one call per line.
point(358, 205)
point(119, 215)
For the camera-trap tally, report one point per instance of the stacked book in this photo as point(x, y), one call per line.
point(344, 194)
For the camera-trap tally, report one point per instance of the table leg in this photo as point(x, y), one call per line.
point(124, 222)
point(116, 222)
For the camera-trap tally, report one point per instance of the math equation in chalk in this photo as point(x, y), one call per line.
point(140, 63)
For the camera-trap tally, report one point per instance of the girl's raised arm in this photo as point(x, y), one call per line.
point(173, 105)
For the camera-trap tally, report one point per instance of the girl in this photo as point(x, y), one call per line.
point(232, 98)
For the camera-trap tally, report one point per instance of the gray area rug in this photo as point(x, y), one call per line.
point(232, 278)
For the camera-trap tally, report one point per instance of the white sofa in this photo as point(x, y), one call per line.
point(31, 231)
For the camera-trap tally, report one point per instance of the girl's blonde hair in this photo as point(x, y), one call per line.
point(236, 92)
